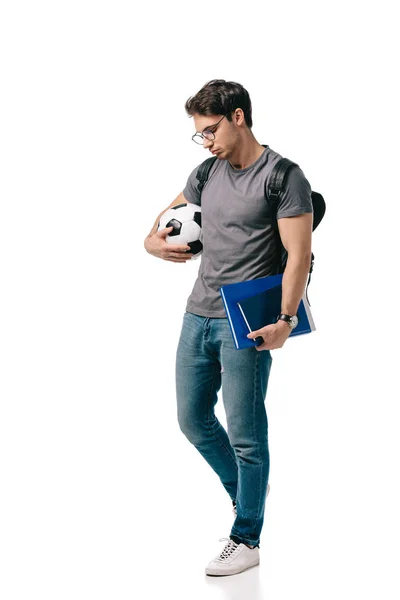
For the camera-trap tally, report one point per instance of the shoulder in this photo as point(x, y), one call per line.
point(192, 190)
point(294, 175)
point(295, 197)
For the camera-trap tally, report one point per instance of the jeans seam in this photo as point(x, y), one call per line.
point(255, 387)
point(208, 420)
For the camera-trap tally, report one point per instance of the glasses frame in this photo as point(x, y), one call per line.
point(210, 129)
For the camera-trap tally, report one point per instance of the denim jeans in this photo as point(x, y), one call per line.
point(206, 360)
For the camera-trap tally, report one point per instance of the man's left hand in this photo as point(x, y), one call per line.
point(274, 335)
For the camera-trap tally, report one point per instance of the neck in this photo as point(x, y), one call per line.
point(246, 154)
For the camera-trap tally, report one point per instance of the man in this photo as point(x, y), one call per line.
point(238, 244)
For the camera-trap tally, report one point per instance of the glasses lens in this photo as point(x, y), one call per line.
point(209, 135)
point(197, 138)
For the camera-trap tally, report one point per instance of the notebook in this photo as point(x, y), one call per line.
point(263, 309)
point(235, 293)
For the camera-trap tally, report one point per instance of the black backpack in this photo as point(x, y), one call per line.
point(276, 182)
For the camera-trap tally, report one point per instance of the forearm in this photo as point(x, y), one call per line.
point(155, 226)
point(294, 282)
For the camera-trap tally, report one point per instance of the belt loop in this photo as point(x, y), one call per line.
point(206, 325)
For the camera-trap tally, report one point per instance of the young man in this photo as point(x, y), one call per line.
point(238, 244)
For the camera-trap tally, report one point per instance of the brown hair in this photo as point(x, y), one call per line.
point(219, 97)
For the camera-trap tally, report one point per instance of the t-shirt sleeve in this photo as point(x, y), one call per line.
point(190, 191)
point(295, 199)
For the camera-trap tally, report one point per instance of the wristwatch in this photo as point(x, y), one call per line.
point(291, 320)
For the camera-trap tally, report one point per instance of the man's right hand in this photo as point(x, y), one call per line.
point(157, 246)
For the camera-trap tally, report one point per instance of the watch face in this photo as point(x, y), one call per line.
point(295, 321)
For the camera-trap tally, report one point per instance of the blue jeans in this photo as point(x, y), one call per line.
point(206, 358)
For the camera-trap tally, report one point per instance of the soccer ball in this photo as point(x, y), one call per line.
point(186, 222)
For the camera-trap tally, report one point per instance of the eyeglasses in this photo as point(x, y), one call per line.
point(207, 133)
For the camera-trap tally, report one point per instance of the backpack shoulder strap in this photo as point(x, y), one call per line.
point(274, 185)
point(203, 172)
point(276, 181)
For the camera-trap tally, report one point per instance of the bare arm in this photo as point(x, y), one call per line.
point(156, 244)
point(295, 234)
point(178, 200)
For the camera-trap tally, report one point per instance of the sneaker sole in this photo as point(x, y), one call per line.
point(233, 572)
point(218, 572)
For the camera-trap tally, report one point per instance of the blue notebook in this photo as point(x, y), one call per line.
point(255, 303)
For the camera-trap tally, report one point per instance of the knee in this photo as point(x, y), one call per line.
point(185, 422)
point(250, 450)
point(190, 427)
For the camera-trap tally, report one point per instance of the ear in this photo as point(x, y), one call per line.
point(238, 117)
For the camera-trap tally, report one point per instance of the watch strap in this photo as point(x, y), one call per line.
point(284, 317)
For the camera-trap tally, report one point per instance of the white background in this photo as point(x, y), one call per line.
point(101, 494)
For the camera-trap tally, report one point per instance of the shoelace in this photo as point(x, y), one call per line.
point(228, 550)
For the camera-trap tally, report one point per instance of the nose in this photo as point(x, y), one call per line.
point(207, 143)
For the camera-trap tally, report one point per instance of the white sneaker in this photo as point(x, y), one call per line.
point(234, 507)
point(233, 559)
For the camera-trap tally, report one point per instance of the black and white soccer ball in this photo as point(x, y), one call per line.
point(186, 222)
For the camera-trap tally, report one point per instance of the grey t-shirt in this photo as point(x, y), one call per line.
point(238, 240)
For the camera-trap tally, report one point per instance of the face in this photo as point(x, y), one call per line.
point(226, 132)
